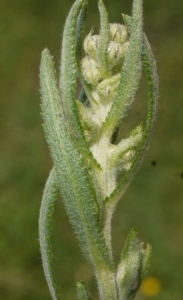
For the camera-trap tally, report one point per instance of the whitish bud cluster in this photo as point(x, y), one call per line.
point(102, 87)
point(101, 72)
point(117, 49)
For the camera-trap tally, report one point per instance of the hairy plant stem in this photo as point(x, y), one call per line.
point(105, 177)
point(107, 285)
point(105, 278)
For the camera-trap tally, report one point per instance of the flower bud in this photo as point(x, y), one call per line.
point(91, 71)
point(119, 33)
point(91, 44)
point(117, 52)
point(108, 87)
point(128, 159)
point(129, 155)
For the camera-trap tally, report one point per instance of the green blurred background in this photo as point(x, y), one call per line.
point(154, 201)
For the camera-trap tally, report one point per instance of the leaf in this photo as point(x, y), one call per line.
point(90, 126)
point(68, 53)
point(79, 35)
point(130, 74)
point(87, 89)
point(147, 253)
point(128, 273)
point(73, 29)
point(88, 120)
point(119, 154)
point(80, 29)
point(74, 182)
point(79, 45)
point(68, 77)
point(104, 39)
point(45, 230)
point(133, 265)
point(132, 237)
point(82, 291)
point(128, 20)
point(152, 80)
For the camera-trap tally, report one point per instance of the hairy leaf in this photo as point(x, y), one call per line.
point(68, 76)
point(76, 189)
point(131, 270)
point(152, 80)
point(45, 230)
point(104, 39)
point(130, 74)
point(82, 291)
point(80, 28)
point(147, 253)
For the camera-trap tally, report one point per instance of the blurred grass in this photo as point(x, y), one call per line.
point(154, 201)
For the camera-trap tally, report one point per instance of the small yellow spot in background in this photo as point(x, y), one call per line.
point(150, 287)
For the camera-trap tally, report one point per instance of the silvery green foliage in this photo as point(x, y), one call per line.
point(81, 136)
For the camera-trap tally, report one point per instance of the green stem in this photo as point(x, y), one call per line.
point(107, 284)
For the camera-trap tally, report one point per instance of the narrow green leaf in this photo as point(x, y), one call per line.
point(147, 253)
point(71, 52)
point(87, 119)
point(69, 74)
point(128, 245)
point(128, 20)
point(85, 93)
point(130, 74)
point(80, 29)
point(104, 39)
point(82, 291)
point(45, 230)
point(117, 157)
point(87, 89)
point(152, 80)
point(129, 273)
point(74, 182)
point(79, 36)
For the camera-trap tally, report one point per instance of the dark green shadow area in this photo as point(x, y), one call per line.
point(154, 201)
